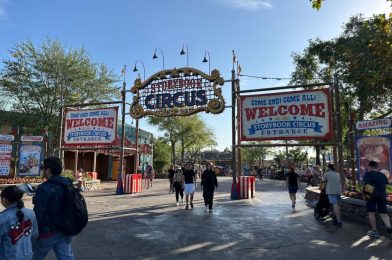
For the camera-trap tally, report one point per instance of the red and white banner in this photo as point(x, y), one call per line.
point(93, 126)
point(374, 124)
point(30, 138)
point(296, 115)
point(5, 159)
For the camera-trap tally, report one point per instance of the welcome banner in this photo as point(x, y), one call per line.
point(296, 115)
point(93, 126)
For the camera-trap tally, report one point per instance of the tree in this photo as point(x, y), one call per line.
point(255, 154)
point(161, 154)
point(295, 155)
point(316, 4)
point(38, 80)
point(361, 59)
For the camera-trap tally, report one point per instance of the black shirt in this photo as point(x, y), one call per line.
point(171, 173)
point(189, 176)
point(293, 179)
point(378, 180)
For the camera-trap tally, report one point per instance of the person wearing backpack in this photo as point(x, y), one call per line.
point(48, 204)
point(178, 185)
point(18, 226)
point(377, 180)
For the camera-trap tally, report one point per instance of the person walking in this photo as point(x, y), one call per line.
point(189, 186)
point(149, 175)
point(170, 174)
point(208, 183)
point(47, 207)
point(333, 190)
point(292, 183)
point(18, 226)
point(178, 185)
point(378, 180)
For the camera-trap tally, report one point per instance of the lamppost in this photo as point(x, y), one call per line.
point(323, 150)
point(156, 57)
point(187, 53)
point(209, 61)
point(144, 69)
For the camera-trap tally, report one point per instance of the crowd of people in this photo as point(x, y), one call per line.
point(182, 179)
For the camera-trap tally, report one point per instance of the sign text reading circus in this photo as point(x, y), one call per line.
point(178, 92)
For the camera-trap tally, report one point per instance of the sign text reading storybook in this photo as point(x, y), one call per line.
point(296, 115)
point(95, 126)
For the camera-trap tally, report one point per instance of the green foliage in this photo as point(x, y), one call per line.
point(35, 80)
point(161, 154)
point(256, 155)
point(68, 174)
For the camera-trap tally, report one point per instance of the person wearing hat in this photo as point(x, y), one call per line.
point(378, 180)
point(333, 190)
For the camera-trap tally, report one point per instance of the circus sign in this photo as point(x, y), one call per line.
point(178, 92)
point(296, 115)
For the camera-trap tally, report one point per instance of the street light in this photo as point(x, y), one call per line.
point(185, 52)
point(323, 150)
point(144, 69)
point(156, 57)
point(209, 60)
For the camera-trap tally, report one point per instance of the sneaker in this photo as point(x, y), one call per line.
point(210, 210)
point(182, 201)
point(373, 234)
point(187, 207)
point(206, 208)
point(192, 205)
point(178, 204)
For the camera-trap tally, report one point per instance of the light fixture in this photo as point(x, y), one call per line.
point(185, 52)
point(156, 57)
point(323, 150)
point(207, 60)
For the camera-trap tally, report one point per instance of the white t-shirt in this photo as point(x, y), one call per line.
point(334, 185)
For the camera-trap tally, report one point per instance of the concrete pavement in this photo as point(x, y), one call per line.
point(149, 225)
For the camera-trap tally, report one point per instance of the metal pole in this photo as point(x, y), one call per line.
point(339, 131)
point(334, 127)
point(137, 146)
point(61, 133)
point(234, 195)
point(239, 165)
point(95, 162)
point(120, 188)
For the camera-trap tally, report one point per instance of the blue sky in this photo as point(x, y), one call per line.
point(263, 34)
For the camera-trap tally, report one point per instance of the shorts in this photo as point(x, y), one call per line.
point(293, 189)
point(334, 199)
point(189, 188)
point(381, 205)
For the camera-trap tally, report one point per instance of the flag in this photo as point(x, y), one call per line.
point(238, 68)
point(123, 70)
point(234, 58)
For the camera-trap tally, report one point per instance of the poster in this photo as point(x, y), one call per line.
point(30, 157)
point(5, 164)
point(295, 115)
point(92, 126)
point(374, 148)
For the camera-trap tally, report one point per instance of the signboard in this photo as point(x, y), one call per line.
point(178, 92)
point(30, 157)
point(5, 148)
point(6, 138)
point(92, 126)
point(374, 124)
point(375, 148)
point(296, 115)
point(28, 138)
point(5, 164)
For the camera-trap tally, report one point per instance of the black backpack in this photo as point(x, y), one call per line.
point(73, 210)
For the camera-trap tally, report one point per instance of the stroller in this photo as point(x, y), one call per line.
point(322, 206)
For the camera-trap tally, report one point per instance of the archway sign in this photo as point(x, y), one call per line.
point(177, 92)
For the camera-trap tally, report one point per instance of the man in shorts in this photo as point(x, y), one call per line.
point(377, 180)
point(189, 186)
point(334, 190)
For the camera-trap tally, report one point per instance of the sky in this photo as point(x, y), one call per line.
point(264, 35)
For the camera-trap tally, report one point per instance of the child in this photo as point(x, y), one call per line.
point(18, 226)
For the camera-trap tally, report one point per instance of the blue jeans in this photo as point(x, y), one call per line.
point(60, 243)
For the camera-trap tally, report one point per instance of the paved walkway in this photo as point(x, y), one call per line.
point(150, 226)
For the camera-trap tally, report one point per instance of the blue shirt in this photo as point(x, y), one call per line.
point(17, 239)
